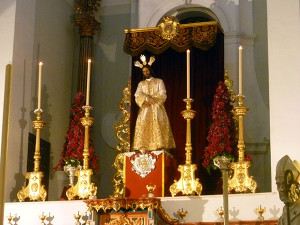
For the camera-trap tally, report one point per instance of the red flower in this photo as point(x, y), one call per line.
point(74, 141)
point(222, 133)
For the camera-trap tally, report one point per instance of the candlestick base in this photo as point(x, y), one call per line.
point(187, 184)
point(83, 188)
point(34, 190)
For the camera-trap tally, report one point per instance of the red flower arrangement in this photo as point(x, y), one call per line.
point(74, 144)
point(222, 133)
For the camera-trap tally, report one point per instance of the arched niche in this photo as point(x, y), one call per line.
point(205, 40)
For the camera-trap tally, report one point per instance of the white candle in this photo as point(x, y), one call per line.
point(240, 70)
point(40, 85)
point(188, 74)
point(88, 83)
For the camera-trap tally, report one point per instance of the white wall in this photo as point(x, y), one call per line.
point(284, 79)
point(7, 20)
point(54, 46)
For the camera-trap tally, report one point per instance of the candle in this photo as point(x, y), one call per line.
point(240, 70)
point(188, 74)
point(40, 85)
point(88, 83)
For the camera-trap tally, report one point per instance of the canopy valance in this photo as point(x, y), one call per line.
point(200, 35)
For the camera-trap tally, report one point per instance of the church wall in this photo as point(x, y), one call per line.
point(19, 118)
point(7, 20)
point(55, 46)
point(47, 35)
point(284, 67)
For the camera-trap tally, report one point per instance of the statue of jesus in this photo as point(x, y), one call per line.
point(152, 129)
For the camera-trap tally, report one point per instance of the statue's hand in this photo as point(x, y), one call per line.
point(151, 101)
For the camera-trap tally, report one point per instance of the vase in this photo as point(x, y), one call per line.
point(70, 170)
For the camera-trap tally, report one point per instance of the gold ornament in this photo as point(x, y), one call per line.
point(260, 211)
point(168, 27)
point(187, 183)
point(35, 190)
point(241, 181)
point(122, 131)
point(84, 188)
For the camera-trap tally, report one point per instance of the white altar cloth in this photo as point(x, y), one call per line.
point(200, 208)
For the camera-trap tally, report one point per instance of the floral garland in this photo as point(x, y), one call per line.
point(222, 133)
point(74, 143)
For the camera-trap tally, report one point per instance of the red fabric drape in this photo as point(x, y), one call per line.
point(207, 69)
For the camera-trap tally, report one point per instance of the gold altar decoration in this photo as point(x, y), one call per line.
point(181, 214)
point(122, 131)
point(84, 187)
point(169, 34)
point(130, 204)
point(150, 188)
point(77, 217)
point(124, 220)
point(187, 184)
point(35, 190)
point(229, 84)
point(260, 212)
point(220, 212)
point(168, 26)
point(43, 217)
point(241, 181)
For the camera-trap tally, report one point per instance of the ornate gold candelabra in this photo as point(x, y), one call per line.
point(187, 183)
point(35, 190)
point(84, 188)
point(240, 181)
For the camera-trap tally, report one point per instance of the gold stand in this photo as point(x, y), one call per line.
point(35, 190)
point(187, 183)
point(240, 181)
point(84, 188)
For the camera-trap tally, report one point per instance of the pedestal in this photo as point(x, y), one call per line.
point(147, 169)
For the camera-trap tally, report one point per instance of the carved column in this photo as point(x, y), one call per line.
point(84, 19)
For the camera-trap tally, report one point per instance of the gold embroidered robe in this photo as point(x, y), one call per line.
point(152, 129)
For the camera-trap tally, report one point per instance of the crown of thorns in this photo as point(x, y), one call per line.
point(144, 62)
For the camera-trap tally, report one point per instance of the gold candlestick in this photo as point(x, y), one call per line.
point(150, 188)
point(77, 217)
point(260, 211)
point(35, 190)
point(84, 188)
point(43, 218)
point(240, 181)
point(187, 183)
point(181, 214)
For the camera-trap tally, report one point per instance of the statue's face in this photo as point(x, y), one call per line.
point(146, 72)
point(280, 188)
